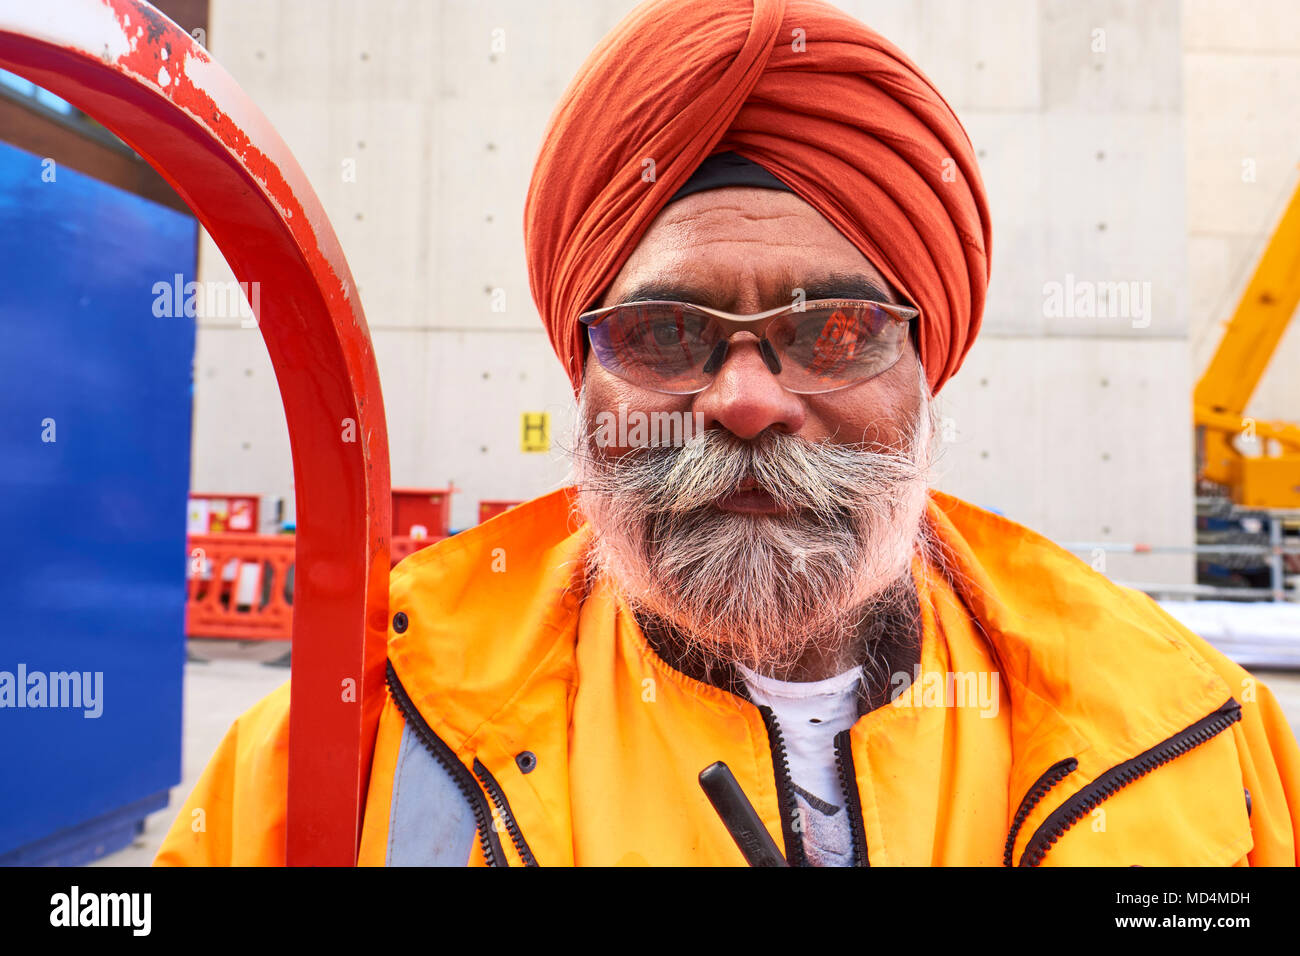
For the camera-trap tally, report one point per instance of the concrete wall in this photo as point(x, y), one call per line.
point(419, 140)
point(1073, 421)
point(1243, 152)
point(1077, 425)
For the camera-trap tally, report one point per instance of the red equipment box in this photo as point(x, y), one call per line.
point(490, 509)
point(421, 512)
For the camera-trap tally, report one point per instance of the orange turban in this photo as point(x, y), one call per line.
point(830, 107)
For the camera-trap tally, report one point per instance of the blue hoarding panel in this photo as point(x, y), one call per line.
point(95, 407)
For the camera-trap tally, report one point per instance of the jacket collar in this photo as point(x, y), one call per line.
point(1093, 671)
point(493, 611)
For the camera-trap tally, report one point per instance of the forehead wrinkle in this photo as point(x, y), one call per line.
point(732, 212)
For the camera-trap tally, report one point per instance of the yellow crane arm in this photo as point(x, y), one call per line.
point(1257, 324)
point(1247, 346)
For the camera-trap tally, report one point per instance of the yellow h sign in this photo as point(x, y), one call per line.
point(535, 431)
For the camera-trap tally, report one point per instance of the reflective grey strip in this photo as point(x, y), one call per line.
point(429, 823)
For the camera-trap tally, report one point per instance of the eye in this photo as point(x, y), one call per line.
point(664, 332)
point(819, 330)
point(667, 329)
point(827, 339)
point(659, 333)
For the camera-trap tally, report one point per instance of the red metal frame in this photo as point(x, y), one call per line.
point(195, 126)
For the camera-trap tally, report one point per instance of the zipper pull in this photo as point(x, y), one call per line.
point(739, 817)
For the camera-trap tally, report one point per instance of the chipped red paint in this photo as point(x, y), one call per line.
point(225, 160)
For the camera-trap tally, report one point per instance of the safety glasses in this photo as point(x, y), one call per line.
point(811, 347)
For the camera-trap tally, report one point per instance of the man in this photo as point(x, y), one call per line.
point(756, 225)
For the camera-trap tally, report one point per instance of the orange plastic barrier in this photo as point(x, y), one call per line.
point(252, 596)
point(239, 586)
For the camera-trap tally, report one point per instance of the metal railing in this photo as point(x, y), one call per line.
point(1275, 551)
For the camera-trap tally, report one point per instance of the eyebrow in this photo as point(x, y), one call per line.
point(835, 285)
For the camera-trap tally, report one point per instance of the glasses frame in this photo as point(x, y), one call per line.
point(733, 323)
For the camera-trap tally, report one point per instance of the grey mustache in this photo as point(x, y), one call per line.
point(818, 477)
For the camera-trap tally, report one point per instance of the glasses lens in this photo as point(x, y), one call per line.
point(824, 348)
point(658, 345)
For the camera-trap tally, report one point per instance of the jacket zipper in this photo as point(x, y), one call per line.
point(445, 756)
point(1050, 778)
point(503, 807)
point(852, 800)
point(794, 851)
point(784, 790)
point(1112, 781)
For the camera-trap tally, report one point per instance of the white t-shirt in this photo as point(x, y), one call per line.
point(810, 715)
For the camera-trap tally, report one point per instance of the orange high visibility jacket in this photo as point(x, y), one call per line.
point(1056, 719)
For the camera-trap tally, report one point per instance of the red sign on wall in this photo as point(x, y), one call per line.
point(217, 514)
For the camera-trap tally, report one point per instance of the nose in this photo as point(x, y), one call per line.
point(745, 397)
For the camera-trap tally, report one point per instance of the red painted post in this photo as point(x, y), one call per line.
point(129, 67)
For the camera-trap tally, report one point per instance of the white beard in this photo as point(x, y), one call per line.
point(761, 590)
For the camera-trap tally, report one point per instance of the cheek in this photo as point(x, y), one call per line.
point(616, 409)
point(878, 414)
